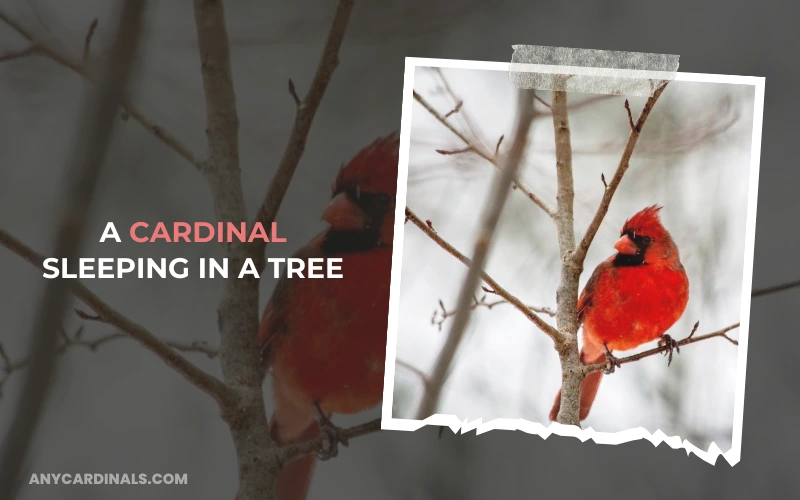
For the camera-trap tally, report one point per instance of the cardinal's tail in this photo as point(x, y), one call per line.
point(590, 354)
point(290, 423)
point(293, 423)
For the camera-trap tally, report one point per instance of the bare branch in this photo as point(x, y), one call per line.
point(567, 292)
point(548, 329)
point(87, 41)
point(497, 147)
point(775, 289)
point(303, 120)
point(580, 253)
point(293, 93)
point(10, 366)
point(575, 106)
point(194, 346)
point(630, 115)
point(413, 369)
point(440, 315)
point(455, 110)
point(293, 452)
point(691, 339)
point(84, 71)
point(19, 54)
point(83, 168)
point(491, 215)
point(106, 314)
point(546, 104)
point(518, 184)
point(467, 149)
point(238, 308)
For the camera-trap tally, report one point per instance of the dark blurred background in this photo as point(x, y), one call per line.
point(121, 410)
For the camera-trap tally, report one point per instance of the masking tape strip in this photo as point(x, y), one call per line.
point(590, 71)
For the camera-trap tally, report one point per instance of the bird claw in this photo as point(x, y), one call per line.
point(612, 362)
point(332, 435)
point(672, 345)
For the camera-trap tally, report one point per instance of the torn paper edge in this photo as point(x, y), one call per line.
point(590, 70)
point(388, 422)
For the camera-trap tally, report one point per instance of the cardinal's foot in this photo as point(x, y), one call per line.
point(331, 436)
point(612, 362)
point(672, 345)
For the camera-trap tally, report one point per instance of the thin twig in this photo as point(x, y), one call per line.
point(83, 168)
point(691, 339)
point(416, 371)
point(304, 118)
point(87, 42)
point(630, 115)
point(10, 366)
point(547, 104)
point(580, 252)
point(293, 452)
point(467, 149)
point(84, 71)
point(455, 110)
point(495, 286)
point(19, 54)
point(441, 314)
point(497, 147)
point(774, 289)
point(575, 106)
point(548, 209)
point(488, 224)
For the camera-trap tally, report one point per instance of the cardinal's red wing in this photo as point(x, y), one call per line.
point(275, 320)
point(585, 300)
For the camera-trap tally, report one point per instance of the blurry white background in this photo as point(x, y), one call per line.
point(693, 158)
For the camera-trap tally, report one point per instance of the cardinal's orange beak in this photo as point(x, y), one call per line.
point(343, 214)
point(625, 245)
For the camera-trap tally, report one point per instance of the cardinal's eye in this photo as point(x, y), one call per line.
point(647, 240)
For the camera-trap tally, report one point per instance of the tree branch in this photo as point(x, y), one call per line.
point(10, 366)
point(497, 289)
point(18, 54)
point(775, 289)
point(293, 452)
point(83, 168)
point(107, 314)
point(691, 339)
point(567, 292)
point(580, 253)
point(440, 315)
point(82, 68)
point(548, 209)
point(491, 215)
point(416, 371)
point(237, 310)
point(304, 118)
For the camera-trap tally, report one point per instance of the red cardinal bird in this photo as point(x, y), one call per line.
point(325, 339)
point(632, 298)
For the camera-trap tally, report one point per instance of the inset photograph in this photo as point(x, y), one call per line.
point(572, 258)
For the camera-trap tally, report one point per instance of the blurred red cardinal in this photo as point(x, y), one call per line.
point(632, 298)
point(325, 339)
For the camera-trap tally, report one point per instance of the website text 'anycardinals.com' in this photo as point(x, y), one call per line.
point(108, 478)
